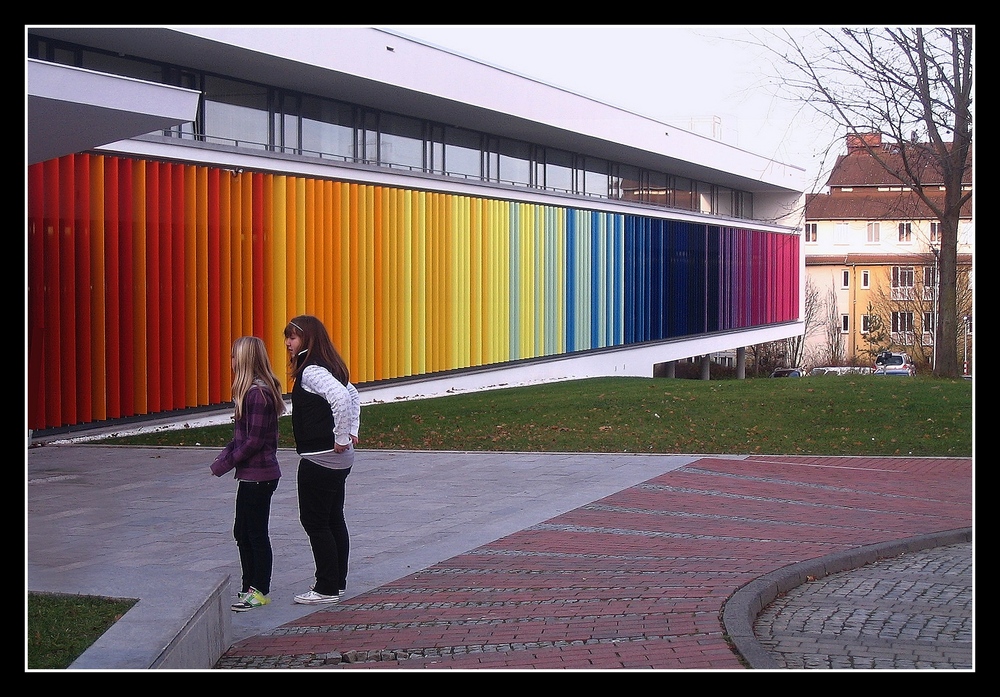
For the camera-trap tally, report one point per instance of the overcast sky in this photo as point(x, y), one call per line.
point(671, 73)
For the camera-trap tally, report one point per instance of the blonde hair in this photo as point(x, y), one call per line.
point(251, 366)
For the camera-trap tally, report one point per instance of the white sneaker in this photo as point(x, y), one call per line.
point(313, 598)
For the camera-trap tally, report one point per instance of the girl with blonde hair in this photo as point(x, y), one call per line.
point(253, 453)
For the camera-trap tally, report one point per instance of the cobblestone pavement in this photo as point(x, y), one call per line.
point(911, 612)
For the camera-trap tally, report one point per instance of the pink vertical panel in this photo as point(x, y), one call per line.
point(36, 297)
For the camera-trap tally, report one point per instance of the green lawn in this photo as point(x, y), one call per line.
point(835, 415)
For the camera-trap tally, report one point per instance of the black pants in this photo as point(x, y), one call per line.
point(253, 511)
point(321, 512)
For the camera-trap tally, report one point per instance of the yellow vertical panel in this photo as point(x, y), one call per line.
point(476, 281)
point(344, 269)
point(324, 251)
point(387, 235)
point(299, 216)
point(139, 349)
point(407, 261)
point(419, 323)
point(465, 288)
point(454, 250)
point(309, 265)
point(527, 268)
point(506, 311)
point(393, 348)
point(279, 252)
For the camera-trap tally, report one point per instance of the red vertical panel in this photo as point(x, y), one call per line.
point(258, 257)
point(84, 383)
point(53, 365)
point(131, 276)
point(214, 309)
point(112, 284)
point(166, 292)
point(36, 297)
point(67, 292)
point(179, 295)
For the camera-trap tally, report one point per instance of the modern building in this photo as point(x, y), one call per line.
point(871, 248)
point(455, 225)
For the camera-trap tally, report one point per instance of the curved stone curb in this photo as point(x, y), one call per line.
point(743, 606)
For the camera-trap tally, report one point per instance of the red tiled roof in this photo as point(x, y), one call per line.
point(871, 205)
point(859, 167)
point(851, 259)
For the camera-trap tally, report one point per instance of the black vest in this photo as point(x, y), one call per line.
point(312, 421)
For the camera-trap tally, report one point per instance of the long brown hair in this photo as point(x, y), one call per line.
point(251, 364)
point(317, 348)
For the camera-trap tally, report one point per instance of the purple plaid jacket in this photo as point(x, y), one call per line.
point(253, 452)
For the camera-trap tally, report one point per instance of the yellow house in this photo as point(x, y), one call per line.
point(871, 253)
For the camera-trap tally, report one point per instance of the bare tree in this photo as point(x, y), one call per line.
point(913, 86)
point(830, 325)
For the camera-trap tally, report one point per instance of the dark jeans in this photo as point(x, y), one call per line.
point(253, 509)
point(321, 512)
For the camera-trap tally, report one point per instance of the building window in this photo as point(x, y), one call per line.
point(558, 171)
point(873, 233)
point(840, 233)
point(865, 279)
point(845, 324)
point(902, 328)
point(930, 282)
point(935, 233)
point(902, 283)
point(462, 153)
point(866, 324)
point(236, 113)
point(927, 335)
point(905, 232)
point(810, 232)
point(401, 142)
point(845, 279)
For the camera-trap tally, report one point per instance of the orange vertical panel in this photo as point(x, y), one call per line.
point(178, 287)
point(246, 243)
point(235, 256)
point(257, 261)
point(377, 329)
point(154, 247)
point(82, 242)
point(144, 350)
point(352, 270)
point(290, 234)
point(98, 319)
point(164, 350)
point(225, 338)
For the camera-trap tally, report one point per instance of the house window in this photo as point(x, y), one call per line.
point(906, 232)
point(840, 233)
point(865, 279)
point(866, 324)
point(845, 324)
point(927, 335)
point(902, 283)
point(873, 232)
point(845, 279)
point(810, 232)
point(930, 282)
point(935, 233)
point(902, 328)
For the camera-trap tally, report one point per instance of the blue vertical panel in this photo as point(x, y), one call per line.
point(618, 265)
point(712, 271)
point(571, 282)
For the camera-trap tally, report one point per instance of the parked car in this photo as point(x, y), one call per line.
point(840, 370)
point(787, 373)
point(891, 363)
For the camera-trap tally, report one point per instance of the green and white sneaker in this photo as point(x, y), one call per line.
point(249, 600)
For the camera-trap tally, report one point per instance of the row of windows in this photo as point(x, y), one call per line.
point(260, 117)
point(873, 233)
point(901, 283)
point(901, 324)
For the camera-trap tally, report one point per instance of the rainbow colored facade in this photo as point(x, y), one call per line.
point(141, 274)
